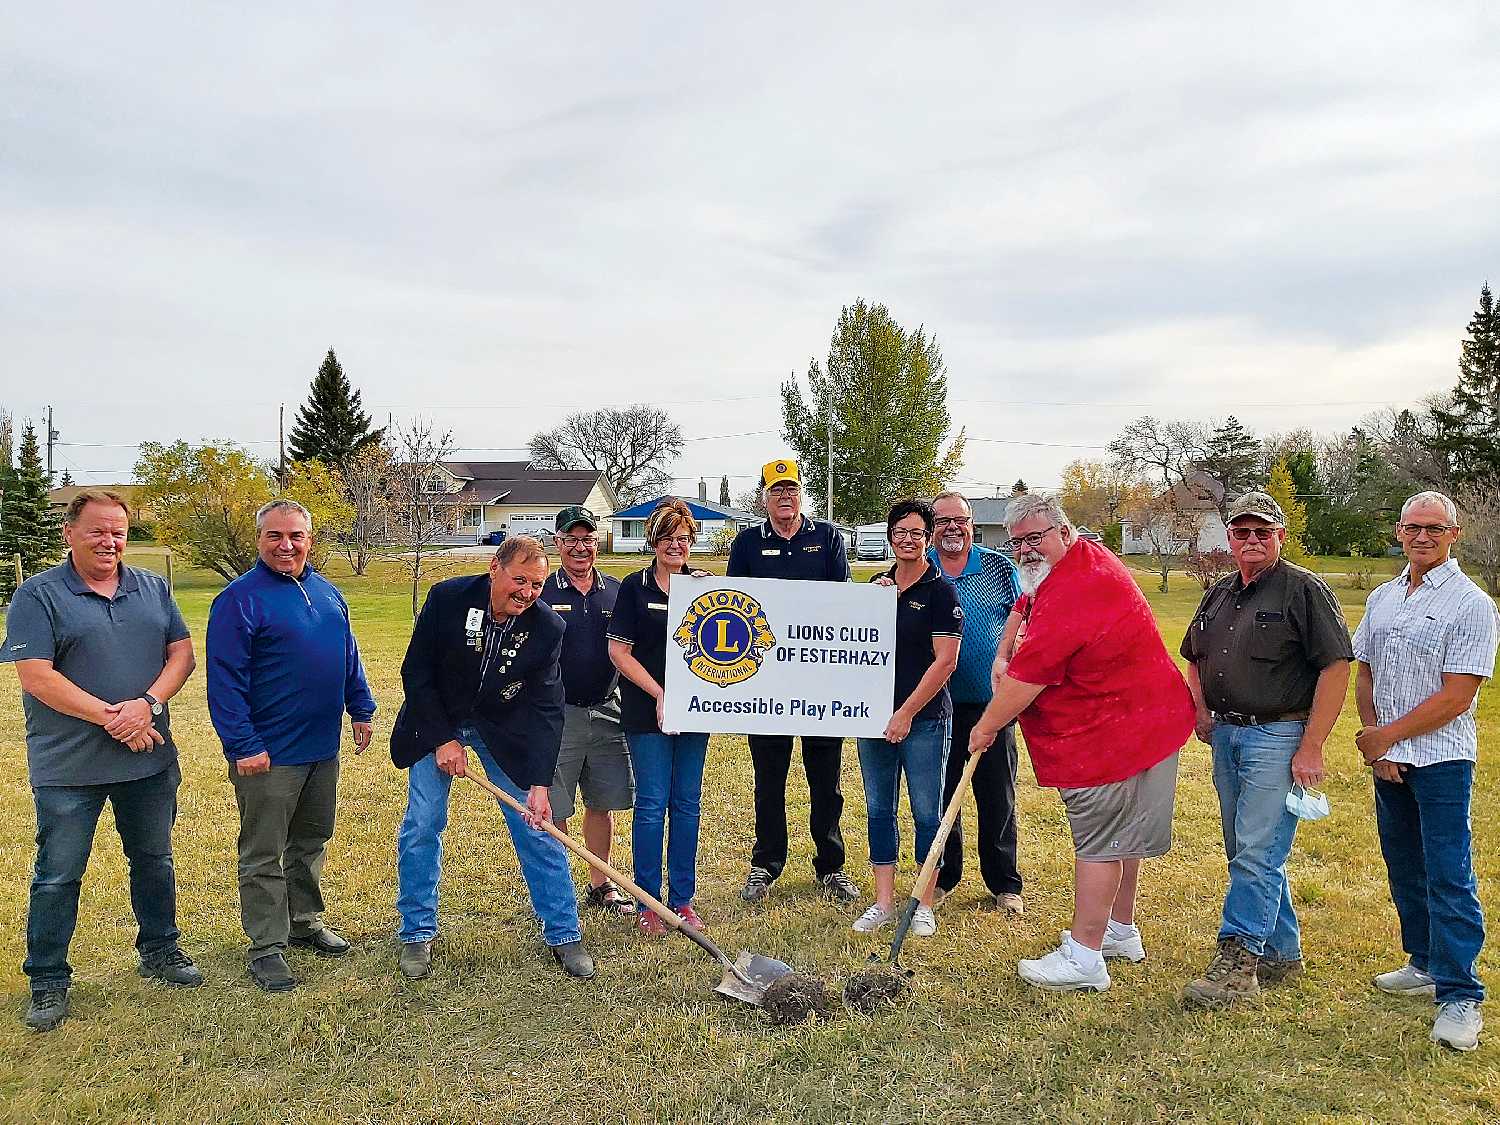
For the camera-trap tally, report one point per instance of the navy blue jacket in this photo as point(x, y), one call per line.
point(283, 667)
point(517, 709)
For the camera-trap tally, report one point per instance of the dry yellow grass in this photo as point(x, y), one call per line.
point(497, 1035)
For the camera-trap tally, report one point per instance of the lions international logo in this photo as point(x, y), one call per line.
point(725, 636)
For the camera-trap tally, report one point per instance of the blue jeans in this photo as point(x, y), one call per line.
point(66, 816)
point(668, 776)
point(1424, 836)
point(1253, 774)
point(419, 853)
point(922, 756)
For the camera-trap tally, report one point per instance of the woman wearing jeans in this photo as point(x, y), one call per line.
point(929, 626)
point(668, 766)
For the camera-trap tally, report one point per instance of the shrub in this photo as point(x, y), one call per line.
point(1207, 567)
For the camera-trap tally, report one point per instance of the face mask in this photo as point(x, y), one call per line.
point(1306, 804)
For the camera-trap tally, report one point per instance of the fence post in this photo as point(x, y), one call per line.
point(170, 585)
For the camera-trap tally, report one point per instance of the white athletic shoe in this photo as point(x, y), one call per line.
point(1118, 949)
point(1408, 980)
point(923, 922)
point(1058, 972)
point(873, 918)
point(1458, 1025)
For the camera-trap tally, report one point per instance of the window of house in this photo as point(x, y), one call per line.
point(633, 529)
point(474, 517)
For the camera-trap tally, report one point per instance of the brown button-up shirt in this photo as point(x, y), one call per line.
point(1259, 647)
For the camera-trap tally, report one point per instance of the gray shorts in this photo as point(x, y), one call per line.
point(1130, 819)
point(593, 758)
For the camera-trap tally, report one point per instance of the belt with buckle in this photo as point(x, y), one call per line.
point(1240, 719)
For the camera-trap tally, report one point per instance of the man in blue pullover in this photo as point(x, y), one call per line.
point(283, 669)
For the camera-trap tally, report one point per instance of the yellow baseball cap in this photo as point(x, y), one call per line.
point(774, 472)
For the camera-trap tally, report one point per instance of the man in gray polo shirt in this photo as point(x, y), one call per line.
point(99, 648)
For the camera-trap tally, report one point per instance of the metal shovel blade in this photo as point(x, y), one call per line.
point(758, 972)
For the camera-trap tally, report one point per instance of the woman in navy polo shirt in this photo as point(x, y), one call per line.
point(929, 626)
point(668, 767)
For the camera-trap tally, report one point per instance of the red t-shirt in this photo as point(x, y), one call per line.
point(1113, 702)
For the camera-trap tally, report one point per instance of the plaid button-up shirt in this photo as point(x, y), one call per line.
point(1447, 624)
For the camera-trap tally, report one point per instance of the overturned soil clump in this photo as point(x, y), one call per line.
point(874, 989)
point(795, 998)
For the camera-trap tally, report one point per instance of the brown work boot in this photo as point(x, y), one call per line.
point(1274, 970)
point(1229, 978)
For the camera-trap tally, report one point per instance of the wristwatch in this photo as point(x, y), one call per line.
point(152, 702)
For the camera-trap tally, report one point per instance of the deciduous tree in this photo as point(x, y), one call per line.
point(1479, 515)
point(365, 484)
point(884, 390)
point(633, 448)
point(417, 521)
point(1281, 489)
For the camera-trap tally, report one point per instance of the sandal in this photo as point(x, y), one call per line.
point(610, 899)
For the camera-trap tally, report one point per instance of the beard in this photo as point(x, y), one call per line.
point(1033, 571)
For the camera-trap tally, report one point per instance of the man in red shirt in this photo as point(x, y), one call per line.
point(1104, 712)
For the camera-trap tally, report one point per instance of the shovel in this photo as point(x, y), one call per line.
point(745, 978)
point(929, 868)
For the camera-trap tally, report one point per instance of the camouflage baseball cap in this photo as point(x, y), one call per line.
point(1259, 505)
point(575, 513)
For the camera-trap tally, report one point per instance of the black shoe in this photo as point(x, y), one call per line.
point(574, 960)
point(840, 888)
point(175, 968)
point(47, 1010)
point(757, 885)
point(271, 974)
point(324, 942)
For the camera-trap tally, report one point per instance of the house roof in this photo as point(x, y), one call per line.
point(701, 509)
point(518, 482)
point(62, 497)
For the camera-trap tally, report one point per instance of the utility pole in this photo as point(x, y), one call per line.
point(52, 436)
point(828, 511)
point(281, 446)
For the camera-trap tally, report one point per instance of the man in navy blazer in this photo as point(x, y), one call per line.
point(482, 671)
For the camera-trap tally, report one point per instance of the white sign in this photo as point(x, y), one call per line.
point(772, 656)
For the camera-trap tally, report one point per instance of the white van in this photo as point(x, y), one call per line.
point(870, 542)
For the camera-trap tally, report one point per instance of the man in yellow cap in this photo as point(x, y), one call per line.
point(790, 545)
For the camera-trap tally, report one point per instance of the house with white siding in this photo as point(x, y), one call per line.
point(513, 496)
point(628, 526)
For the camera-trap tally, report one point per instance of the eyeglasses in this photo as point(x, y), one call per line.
point(1431, 530)
point(1032, 540)
point(1241, 534)
point(675, 541)
point(905, 534)
point(957, 521)
point(782, 489)
point(578, 540)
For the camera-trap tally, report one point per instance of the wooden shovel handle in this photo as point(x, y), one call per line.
point(945, 826)
point(657, 907)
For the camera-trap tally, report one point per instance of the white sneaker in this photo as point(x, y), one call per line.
point(923, 922)
point(1408, 980)
point(1060, 973)
point(873, 918)
point(1458, 1025)
point(1118, 949)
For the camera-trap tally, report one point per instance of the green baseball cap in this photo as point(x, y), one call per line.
point(575, 513)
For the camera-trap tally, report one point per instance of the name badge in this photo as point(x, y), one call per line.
point(813, 547)
point(475, 621)
point(770, 550)
point(562, 608)
point(657, 605)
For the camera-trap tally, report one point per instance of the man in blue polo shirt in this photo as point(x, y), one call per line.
point(99, 648)
point(789, 545)
point(987, 586)
point(593, 758)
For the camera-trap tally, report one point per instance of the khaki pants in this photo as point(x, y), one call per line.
point(286, 821)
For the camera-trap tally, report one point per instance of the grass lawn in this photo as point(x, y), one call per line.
point(498, 1035)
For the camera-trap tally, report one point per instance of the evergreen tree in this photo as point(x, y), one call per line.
point(28, 525)
point(1284, 492)
point(1468, 432)
point(1019, 488)
point(66, 480)
point(332, 424)
point(1231, 456)
point(724, 500)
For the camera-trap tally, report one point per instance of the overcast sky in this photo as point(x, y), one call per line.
point(1286, 213)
